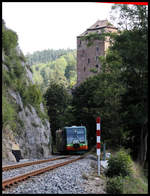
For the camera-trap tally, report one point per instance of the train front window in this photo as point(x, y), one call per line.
point(81, 134)
point(75, 133)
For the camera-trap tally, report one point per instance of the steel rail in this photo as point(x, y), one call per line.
point(10, 167)
point(11, 181)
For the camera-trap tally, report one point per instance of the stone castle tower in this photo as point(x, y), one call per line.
point(87, 57)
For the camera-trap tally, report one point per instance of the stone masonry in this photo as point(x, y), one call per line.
point(87, 57)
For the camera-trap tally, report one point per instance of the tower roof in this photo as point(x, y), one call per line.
point(97, 26)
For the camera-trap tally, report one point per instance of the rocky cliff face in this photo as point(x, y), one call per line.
point(34, 136)
point(31, 128)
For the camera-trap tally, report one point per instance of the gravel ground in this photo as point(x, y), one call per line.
point(19, 171)
point(69, 179)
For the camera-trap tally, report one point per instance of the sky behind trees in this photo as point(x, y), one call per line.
point(51, 25)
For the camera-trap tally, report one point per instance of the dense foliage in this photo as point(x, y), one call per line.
point(114, 185)
point(101, 96)
point(57, 100)
point(9, 39)
point(8, 112)
point(124, 176)
point(119, 93)
point(119, 165)
point(132, 47)
point(62, 70)
point(46, 56)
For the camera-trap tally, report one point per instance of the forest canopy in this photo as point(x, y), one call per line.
point(54, 65)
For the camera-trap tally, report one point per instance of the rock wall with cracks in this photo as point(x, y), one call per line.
point(34, 135)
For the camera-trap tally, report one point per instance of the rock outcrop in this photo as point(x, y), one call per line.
point(33, 133)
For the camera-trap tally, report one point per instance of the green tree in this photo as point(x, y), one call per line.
point(132, 47)
point(44, 73)
point(123, 90)
point(70, 72)
point(100, 95)
point(57, 101)
point(46, 55)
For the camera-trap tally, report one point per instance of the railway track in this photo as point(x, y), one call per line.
point(15, 166)
point(14, 180)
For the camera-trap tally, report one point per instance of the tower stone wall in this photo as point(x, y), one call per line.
point(88, 56)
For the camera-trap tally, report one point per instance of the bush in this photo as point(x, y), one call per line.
point(119, 165)
point(31, 94)
point(18, 69)
point(6, 78)
point(9, 40)
point(115, 185)
point(8, 113)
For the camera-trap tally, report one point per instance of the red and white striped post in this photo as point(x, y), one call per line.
point(98, 144)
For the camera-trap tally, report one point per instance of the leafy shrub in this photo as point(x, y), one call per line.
point(7, 61)
point(9, 40)
point(18, 69)
point(19, 85)
point(31, 95)
point(6, 78)
point(119, 165)
point(8, 113)
point(115, 185)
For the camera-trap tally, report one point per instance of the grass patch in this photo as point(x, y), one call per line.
point(125, 176)
point(137, 183)
point(134, 185)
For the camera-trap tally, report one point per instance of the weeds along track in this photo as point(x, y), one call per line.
point(13, 180)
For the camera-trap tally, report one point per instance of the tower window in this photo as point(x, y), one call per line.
point(79, 43)
point(96, 66)
point(88, 60)
point(97, 49)
point(82, 53)
point(84, 68)
point(96, 58)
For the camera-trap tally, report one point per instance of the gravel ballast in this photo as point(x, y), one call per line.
point(69, 179)
point(23, 170)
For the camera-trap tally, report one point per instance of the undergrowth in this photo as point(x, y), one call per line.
point(124, 176)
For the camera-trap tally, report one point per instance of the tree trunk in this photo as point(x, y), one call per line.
point(143, 145)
